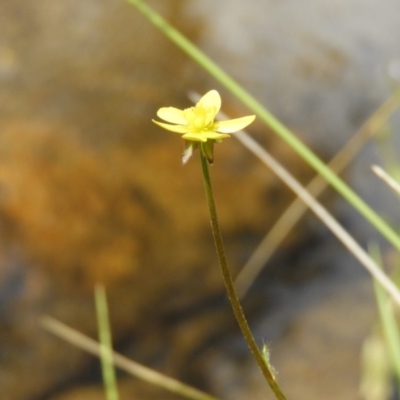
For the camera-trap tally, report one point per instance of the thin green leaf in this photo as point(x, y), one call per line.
point(106, 352)
point(387, 317)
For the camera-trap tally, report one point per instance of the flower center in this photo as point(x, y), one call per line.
point(199, 118)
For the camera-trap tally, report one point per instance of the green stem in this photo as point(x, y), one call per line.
point(106, 352)
point(230, 84)
point(230, 288)
point(388, 317)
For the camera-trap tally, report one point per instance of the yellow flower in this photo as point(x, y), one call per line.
point(197, 126)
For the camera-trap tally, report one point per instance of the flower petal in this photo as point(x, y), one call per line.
point(212, 100)
point(195, 137)
point(172, 115)
point(172, 128)
point(233, 125)
point(213, 135)
point(204, 136)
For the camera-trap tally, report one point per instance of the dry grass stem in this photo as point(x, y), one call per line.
point(392, 183)
point(297, 208)
point(146, 374)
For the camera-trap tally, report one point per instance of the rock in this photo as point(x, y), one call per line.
point(130, 217)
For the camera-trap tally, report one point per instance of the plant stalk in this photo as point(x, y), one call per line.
point(106, 352)
point(230, 288)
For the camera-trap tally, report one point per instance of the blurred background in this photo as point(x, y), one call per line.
point(91, 191)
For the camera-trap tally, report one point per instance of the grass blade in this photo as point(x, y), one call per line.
point(107, 365)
